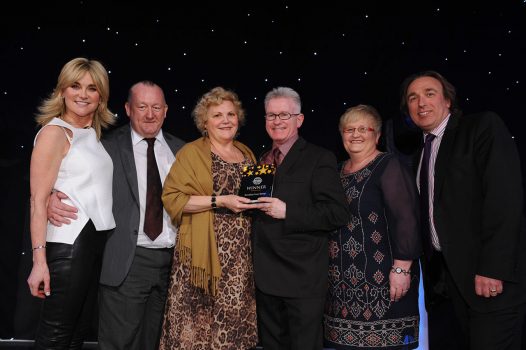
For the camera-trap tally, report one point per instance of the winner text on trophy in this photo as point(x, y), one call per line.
point(257, 181)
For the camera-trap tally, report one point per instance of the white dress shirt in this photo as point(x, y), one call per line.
point(439, 133)
point(165, 159)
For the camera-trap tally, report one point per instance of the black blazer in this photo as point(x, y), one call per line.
point(291, 255)
point(122, 241)
point(478, 209)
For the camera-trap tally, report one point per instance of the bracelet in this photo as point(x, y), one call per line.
point(213, 199)
point(38, 247)
point(400, 270)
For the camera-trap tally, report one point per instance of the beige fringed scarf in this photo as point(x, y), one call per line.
point(191, 174)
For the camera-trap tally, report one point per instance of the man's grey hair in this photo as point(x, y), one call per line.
point(285, 92)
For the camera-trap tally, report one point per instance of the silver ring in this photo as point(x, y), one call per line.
point(493, 291)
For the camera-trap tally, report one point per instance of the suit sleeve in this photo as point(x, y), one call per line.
point(498, 160)
point(328, 209)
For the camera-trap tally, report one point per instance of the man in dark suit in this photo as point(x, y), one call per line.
point(290, 236)
point(475, 247)
point(135, 268)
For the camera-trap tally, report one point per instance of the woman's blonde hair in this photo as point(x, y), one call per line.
point(54, 106)
point(215, 97)
point(361, 111)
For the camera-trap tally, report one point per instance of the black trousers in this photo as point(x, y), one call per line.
point(290, 323)
point(131, 314)
point(454, 325)
point(74, 269)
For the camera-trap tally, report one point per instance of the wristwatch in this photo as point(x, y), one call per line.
point(400, 270)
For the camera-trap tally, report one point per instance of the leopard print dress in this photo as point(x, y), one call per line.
point(195, 320)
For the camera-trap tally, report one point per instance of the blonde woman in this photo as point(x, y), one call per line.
point(211, 301)
point(372, 299)
point(68, 157)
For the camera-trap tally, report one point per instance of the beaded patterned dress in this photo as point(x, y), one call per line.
point(383, 225)
point(195, 320)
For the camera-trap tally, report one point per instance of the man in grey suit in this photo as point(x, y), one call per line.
point(135, 268)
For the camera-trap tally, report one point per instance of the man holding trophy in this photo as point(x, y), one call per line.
point(304, 203)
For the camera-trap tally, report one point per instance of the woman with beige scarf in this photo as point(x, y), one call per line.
point(211, 301)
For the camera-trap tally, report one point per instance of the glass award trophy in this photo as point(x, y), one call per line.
point(257, 181)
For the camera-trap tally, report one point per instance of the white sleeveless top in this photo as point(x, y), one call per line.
point(86, 177)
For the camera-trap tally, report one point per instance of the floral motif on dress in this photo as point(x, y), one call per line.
point(357, 311)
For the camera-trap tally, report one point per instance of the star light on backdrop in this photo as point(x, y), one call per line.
point(335, 56)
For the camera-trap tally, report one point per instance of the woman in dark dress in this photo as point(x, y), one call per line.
point(372, 300)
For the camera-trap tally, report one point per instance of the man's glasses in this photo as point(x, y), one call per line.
point(282, 116)
point(361, 130)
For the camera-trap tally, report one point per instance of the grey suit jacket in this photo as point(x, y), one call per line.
point(122, 241)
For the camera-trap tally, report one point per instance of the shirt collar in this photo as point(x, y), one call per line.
point(285, 148)
point(136, 138)
point(440, 129)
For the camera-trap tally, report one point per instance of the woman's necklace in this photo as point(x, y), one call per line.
point(230, 156)
point(77, 124)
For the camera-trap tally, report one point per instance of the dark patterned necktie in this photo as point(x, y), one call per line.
point(424, 196)
point(276, 153)
point(153, 215)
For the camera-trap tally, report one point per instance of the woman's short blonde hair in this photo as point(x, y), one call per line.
point(215, 97)
point(54, 106)
point(359, 112)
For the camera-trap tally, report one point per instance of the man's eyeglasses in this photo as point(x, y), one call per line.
point(282, 116)
point(361, 130)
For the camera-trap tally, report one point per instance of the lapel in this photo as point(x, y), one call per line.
point(290, 159)
point(261, 153)
point(128, 160)
point(444, 154)
point(417, 157)
point(172, 142)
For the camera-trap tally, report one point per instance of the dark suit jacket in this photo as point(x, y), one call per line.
point(291, 255)
point(478, 209)
point(120, 247)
